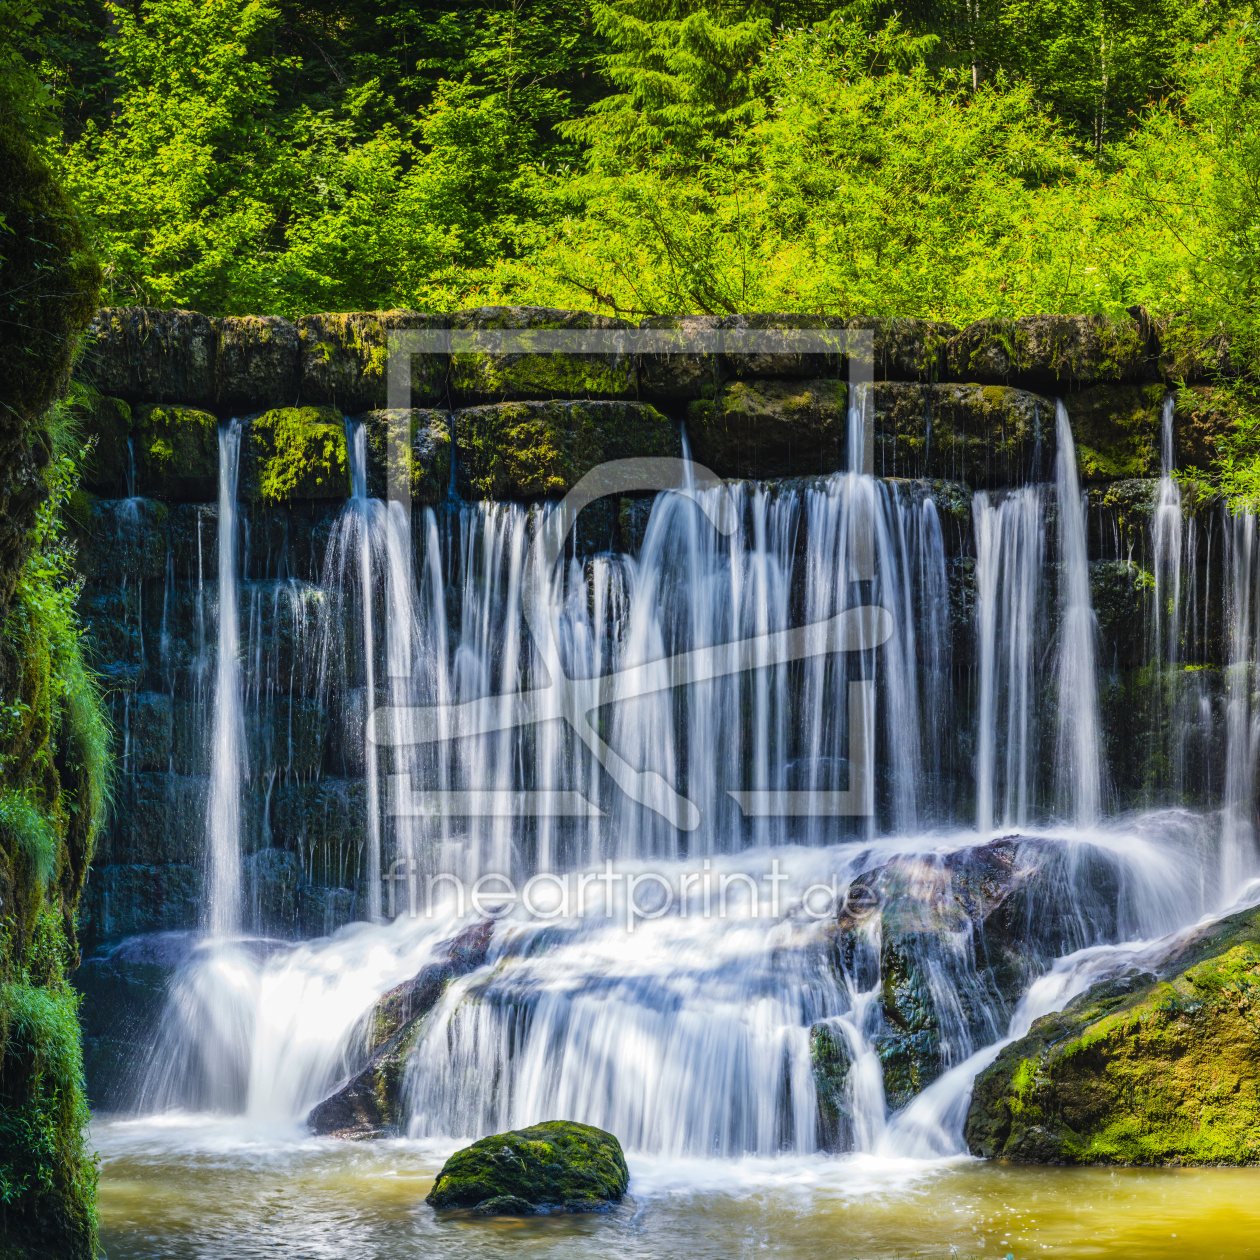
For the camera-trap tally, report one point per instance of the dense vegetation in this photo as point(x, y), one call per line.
point(54, 743)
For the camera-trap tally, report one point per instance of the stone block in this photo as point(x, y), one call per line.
point(194, 540)
point(321, 911)
point(1053, 353)
point(110, 469)
point(142, 354)
point(528, 450)
point(295, 453)
point(121, 900)
point(1117, 431)
point(426, 448)
point(110, 616)
point(144, 721)
point(520, 358)
point(271, 881)
point(123, 538)
point(986, 436)
point(771, 428)
point(679, 370)
point(259, 363)
point(176, 453)
point(344, 358)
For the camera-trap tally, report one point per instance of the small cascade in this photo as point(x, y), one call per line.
point(1242, 716)
point(1010, 547)
point(1167, 538)
point(1079, 756)
point(227, 767)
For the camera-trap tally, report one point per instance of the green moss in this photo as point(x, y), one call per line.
point(557, 1166)
point(176, 452)
point(1139, 1073)
point(296, 453)
point(534, 449)
point(1117, 431)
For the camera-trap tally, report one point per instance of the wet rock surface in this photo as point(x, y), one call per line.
point(558, 1166)
point(368, 1104)
point(1145, 1068)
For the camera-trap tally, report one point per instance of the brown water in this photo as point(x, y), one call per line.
point(185, 1187)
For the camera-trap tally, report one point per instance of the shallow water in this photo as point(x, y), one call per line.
point(185, 1187)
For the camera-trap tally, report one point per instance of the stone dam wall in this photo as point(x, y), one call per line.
point(955, 410)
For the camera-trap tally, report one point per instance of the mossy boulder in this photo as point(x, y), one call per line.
point(176, 452)
point(1054, 353)
point(1143, 1069)
point(345, 357)
point(295, 453)
point(528, 450)
point(984, 435)
point(1117, 431)
point(424, 453)
point(143, 354)
point(831, 1061)
point(1119, 595)
point(812, 345)
point(768, 428)
point(558, 1166)
point(258, 364)
point(539, 352)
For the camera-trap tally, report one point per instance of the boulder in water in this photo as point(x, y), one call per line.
point(1142, 1069)
point(554, 1167)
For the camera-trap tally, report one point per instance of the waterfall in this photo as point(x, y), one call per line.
point(1078, 768)
point(227, 739)
point(1010, 545)
point(1242, 719)
point(1168, 545)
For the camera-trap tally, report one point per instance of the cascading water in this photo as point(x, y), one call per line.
point(675, 1008)
point(1079, 747)
point(227, 740)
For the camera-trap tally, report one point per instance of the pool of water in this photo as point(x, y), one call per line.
point(185, 1187)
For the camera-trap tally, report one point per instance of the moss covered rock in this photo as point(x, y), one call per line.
point(1117, 431)
point(765, 428)
point(1204, 415)
point(295, 453)
point(176, 452)
point(1053, 352)
point(538, 352)
point(528, 450)
point(143, 354)
point(258, 363)
point(123, 539)
point(424, 453)
point(110, 470)
point(554, 1167)
point(1145, 1069)
point(984, 435)
point(680, 360)
point(344, 358)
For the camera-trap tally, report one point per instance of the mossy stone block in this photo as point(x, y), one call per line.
point(345, 358)
point(258, 363)
point(1117, 431)
point(144, 354)
point(531, 352)
point(144, 723)
point(986, 436)
point(1141, 1069)
point(121, 901)
point(409, 449)
point(528, 450)
point(1053, 352)
point(176, 452)
point(110, 470)
point(1203, 416)
point(681, 361)
point(110, 616)
point(771, 428)
point(557, 1166)
point(295, 453)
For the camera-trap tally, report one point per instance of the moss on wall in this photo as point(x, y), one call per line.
point(295, 453)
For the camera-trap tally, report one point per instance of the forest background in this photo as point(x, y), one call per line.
point(953, 159)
